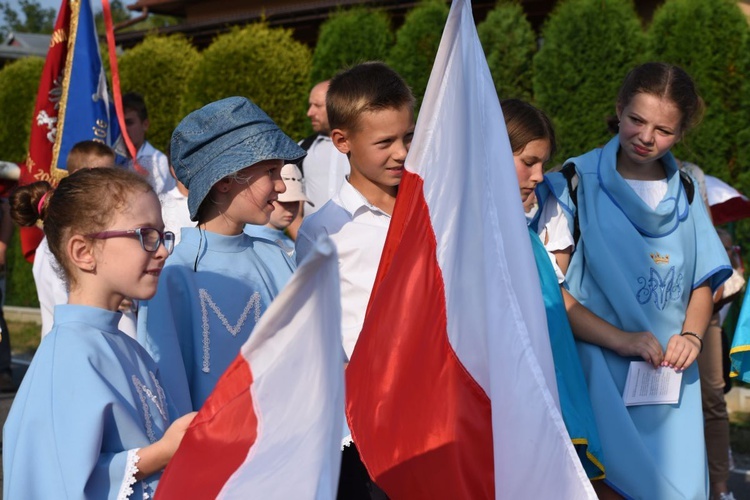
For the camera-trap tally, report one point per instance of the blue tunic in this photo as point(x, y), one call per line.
point(740, 352)
point(571, 384)
point(635, 267)
point(277, 236)
point(91, 396)
point(211, 293)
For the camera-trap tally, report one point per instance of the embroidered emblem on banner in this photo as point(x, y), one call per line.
point(208, 303)
point(660, 289)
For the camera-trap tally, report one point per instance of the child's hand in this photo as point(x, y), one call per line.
point(173, 437)
point(155, 457)
point(642, 344)
point(682, 350)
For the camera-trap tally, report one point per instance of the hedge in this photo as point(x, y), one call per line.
point(158, 68)
point(588, 48)
point(417, 42)
point(19, 82)
point(20, 286)
point(705, 39)
point(509, 43)
point(349, 37)
point(263, 64)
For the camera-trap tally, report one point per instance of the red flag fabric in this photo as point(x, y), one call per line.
point(44, 124)
point(451, 391)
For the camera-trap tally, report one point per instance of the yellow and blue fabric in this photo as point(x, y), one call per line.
point(85, 111)
point(635, 268)
point(571, 384)
point(740, 351)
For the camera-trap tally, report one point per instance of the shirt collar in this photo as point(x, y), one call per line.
point(353, 202)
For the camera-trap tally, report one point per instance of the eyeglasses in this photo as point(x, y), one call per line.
point(150, 238)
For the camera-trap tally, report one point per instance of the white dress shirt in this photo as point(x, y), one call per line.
point(175, 212)
point(325, 168)
point(156, 164)
point(358, 229)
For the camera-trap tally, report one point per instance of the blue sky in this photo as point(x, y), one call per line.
point(55, 4)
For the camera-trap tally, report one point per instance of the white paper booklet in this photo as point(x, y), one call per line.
point(647, 385)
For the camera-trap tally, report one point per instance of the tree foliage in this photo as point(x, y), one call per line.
point(509, 43)
point(36, 19)
point(588, 48)
point(18, 85)
point(263, 64)
point(159, 68)
point(417, 42)
point(349, 37)
point(705, 39)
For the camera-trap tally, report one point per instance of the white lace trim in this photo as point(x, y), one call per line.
point(346, 442)
point(131, 469)
point(206, 300)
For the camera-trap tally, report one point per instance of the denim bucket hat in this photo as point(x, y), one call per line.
point(222, 138)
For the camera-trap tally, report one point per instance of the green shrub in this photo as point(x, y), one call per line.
point(704, 37)
point(743, 132)
point(589, 46)
point(509, 44)
point(350, 37)
point(158, 68)
point(417, 42)
point(20, 287)
point(19, 82)
point(264, 64)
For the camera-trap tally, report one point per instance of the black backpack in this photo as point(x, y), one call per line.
point(569, 172)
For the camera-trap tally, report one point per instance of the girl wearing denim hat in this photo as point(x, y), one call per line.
point(91, 418)
point(229, 155)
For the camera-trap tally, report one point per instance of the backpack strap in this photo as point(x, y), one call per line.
point(569, 172)
point(305, 144)
point(688, 185)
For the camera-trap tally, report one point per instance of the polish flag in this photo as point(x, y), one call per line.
point(727, 204)
point(451, 387)
point(272, 426)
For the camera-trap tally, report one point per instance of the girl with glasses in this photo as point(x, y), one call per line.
point(91, 418)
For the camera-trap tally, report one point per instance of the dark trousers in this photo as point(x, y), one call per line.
point(354, 481)
point(4, 342)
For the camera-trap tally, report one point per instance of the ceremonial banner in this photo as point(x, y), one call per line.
point(451, 390)
point(272, 426)
point(72, 103)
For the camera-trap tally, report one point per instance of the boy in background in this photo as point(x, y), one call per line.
point(371, 115)
point(151, 159)
point(285, 210)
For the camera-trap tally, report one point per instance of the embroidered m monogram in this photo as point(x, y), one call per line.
point(660, 289)
point(159, 400)
point(208, 303)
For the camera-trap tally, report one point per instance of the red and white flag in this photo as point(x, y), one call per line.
point(451, 390)
point(272, 426)
point(727, 204)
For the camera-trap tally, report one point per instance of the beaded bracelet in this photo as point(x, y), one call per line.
point(696, 336)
